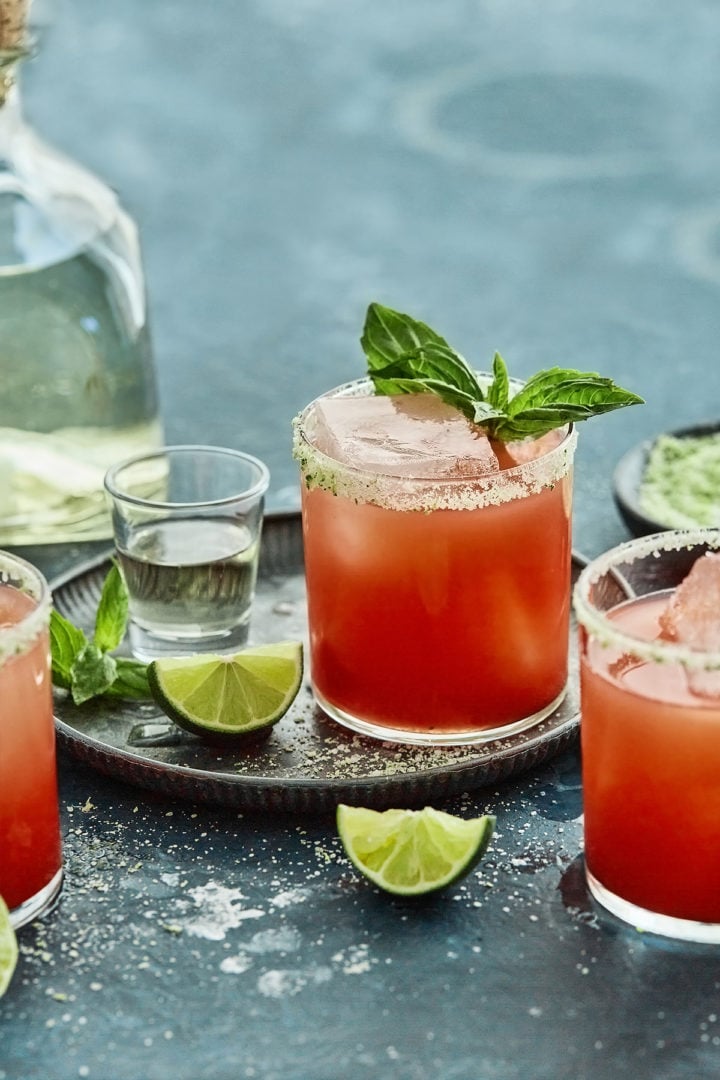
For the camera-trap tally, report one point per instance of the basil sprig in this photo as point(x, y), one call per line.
point(406, 357)
point(84, 666)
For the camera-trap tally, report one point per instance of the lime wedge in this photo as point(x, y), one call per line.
point(228, 697)
point(8, 948)
point(411, 852)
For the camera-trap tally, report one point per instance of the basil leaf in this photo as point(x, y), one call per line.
point(131, 679)
point(405, 356)
point(486, 414)
point(66, 641)
point(392, 340)
point(567, 388)
point(389, 335)
point(499, 390)
point(112, 612)
point(92, 674)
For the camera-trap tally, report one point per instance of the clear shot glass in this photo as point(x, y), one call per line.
point(30, 845)
point(650, 742)
point(187, 522)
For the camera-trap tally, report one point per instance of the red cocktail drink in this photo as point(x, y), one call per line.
point(650, 743)
point(30, 856)
point(437, 566)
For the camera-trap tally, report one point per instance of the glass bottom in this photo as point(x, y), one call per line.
point(650, 921)
point(38, 904)
point(433, 738)
point(146, 645)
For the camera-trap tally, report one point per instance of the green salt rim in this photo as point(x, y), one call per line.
point(23, 576)
point(606, 632)
point(403, 493)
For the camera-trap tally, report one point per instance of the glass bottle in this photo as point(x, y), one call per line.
point(77, 379)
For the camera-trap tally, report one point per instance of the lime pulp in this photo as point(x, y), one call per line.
point(229, 696)
point(412, 852)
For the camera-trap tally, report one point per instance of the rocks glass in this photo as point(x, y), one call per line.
point(438, 589)
point(30, 848)
point(650, 741)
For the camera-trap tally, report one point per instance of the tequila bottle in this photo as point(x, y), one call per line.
point(77, 380)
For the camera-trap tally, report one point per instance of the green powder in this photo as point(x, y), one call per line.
point(680, 486)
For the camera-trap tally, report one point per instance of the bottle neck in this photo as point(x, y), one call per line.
point(11, 118)
point(10, 60)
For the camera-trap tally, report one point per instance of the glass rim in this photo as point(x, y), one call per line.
point(180, 449)
point(371, 482)
point(17, 638)
point(607, 632)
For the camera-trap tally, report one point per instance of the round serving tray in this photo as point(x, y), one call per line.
point(309, 764)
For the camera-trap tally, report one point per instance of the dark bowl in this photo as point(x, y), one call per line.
point(628, 475)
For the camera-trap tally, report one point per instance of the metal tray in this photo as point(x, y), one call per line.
point(309, 764)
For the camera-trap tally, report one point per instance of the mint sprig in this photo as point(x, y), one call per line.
point(84, 666)
point(407, 357)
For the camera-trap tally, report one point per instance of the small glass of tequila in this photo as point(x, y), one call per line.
point(438, 568)
point(187, 523)
point(650, 700)
point(30, 846)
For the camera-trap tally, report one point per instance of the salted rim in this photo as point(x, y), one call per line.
point(425, 493)
point(21, 636)
point(606, 632)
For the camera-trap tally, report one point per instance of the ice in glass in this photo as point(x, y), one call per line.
point(438, 567)
point(649, 614)
point(30, 849)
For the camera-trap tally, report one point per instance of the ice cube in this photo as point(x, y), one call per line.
point(403, 435)
point(526, 450)
point(692, 617)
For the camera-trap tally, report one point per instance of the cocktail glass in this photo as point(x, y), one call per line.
point(650, 743)
point(187, 523)
point(30, 845)
point(438, 604)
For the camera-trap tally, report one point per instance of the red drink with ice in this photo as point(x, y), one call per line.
point(437, 566)
point(30, 856)
point(650, 689)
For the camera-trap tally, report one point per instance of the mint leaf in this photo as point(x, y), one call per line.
point(92, 674)
point(66, 641)
point(131, 679)
point(406, 357)
point(86, 668)
point(112, 612)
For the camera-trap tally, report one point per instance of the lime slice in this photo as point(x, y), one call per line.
point(228, 697)
point(8, 948)
point(411, 852)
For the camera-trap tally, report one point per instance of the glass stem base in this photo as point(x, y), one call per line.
point(650, 921)
point(437, 737)
point(38, 904)
point(146, 645)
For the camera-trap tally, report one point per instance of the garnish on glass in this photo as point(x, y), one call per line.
point(406, 357)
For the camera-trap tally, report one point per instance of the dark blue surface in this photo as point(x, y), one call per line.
point(541, 179)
